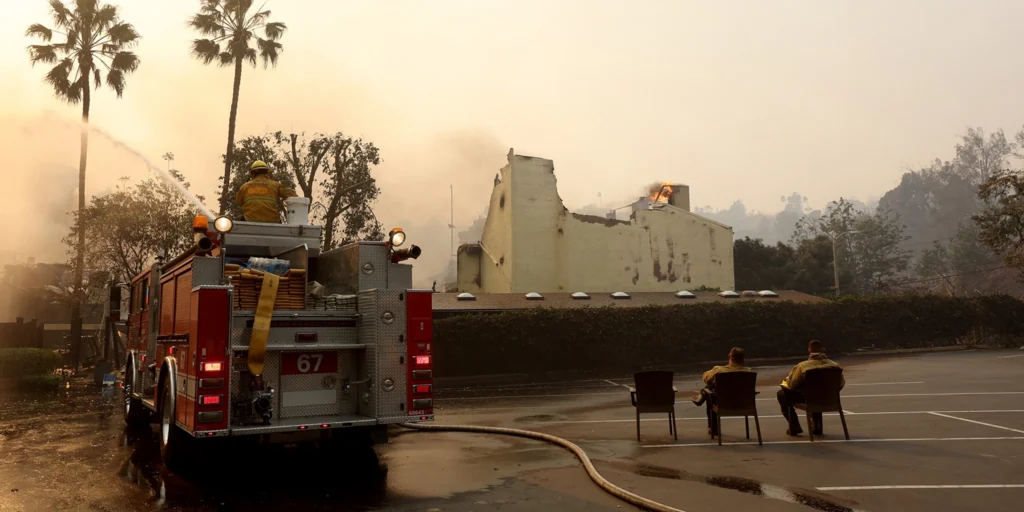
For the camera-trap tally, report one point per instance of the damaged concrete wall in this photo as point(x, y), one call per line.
point(548, 249)
point(468, 263)
point(496, 243)
point(537, 226)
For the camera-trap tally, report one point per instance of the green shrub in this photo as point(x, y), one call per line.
point(623, 340)
point(21, 362)
point(46, 382)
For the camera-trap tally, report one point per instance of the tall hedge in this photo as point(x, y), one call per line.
point(623, 340)
point(23, 362)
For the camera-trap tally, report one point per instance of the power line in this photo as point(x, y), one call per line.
point(913, 242)
point(910, 242)
point(940, 278)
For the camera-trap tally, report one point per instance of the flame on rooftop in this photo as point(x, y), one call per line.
point(660, 192)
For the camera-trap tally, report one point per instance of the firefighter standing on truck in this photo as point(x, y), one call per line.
point(259, 196)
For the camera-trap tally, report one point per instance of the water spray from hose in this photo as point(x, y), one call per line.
point(159, 170)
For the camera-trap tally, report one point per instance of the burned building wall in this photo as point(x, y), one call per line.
point(469, 268)
point(531, 242)
point(496, 243)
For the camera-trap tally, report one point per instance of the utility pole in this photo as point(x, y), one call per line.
point(451, 223)
point(835, 260)
point(452, 270)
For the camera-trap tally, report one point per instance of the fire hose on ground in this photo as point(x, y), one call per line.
point(601, 482)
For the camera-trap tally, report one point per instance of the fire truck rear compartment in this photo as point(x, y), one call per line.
point(310, 395)
point(327, 380)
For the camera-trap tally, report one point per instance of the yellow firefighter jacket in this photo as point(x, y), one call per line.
point(795, 379)
point(709, 376)
point(259, 197)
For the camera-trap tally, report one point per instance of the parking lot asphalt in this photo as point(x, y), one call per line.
point(931, 431)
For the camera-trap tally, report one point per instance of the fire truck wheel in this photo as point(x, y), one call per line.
point(135, 414)
point(174, 444)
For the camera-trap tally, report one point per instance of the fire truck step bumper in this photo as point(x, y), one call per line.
point(307, 423)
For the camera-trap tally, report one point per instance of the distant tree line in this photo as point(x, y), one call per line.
point(955, 227)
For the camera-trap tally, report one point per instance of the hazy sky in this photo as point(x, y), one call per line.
point(746, 100)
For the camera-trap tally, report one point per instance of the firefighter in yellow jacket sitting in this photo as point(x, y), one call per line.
point(792, 390)
point(736, 357)
point(259, 197)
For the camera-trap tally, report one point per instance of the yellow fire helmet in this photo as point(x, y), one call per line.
point(259, 166)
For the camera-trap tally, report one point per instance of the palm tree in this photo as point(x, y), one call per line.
point(230, 22)
point(96, 43)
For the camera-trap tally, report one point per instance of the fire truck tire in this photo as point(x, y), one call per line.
point(588, 466)
point(174, 443)
point(135, 414)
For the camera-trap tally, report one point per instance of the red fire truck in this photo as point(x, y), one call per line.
point(218, 348)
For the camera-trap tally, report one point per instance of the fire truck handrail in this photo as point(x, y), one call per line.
point(311, 422)
point(333, 315)
point(179, 258)
point(289, 347)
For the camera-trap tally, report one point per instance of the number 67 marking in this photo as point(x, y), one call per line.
point(304, 363)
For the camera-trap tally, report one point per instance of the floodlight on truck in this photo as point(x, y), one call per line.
point(396, 237)
point(223, 224)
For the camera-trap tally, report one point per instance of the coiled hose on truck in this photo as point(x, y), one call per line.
point(601, 482)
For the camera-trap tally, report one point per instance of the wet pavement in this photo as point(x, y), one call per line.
point(938, 431)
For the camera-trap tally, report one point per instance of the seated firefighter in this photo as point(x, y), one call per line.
point(259, 196)
point(792, 388)
point(736, 357)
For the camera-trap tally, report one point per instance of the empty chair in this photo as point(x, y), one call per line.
point(735, 396)
point(821, 394)
point(654, 393)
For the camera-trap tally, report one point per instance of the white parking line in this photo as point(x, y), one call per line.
point(991, 393)
point(936, 394)
point(976, 422)
point(563, 395)
point(596, 384)
point(616, 384)
point(505, 397)
point(1010, 357)
point(808, 443)
point(763, 416)
point(902, 487)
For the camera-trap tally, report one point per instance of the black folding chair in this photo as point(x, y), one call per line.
point(735, 396)
point(654, 393)
point(821, 394)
